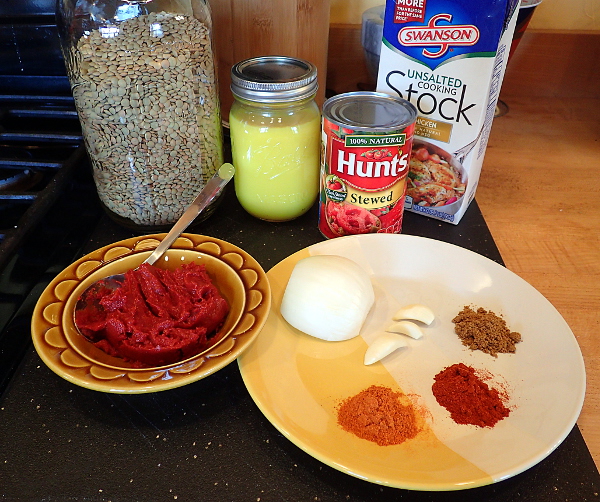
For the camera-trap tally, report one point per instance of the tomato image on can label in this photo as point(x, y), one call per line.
point(363, 179)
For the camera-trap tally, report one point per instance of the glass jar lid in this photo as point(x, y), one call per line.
point(269, 79)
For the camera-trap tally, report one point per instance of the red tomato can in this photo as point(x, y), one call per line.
point(366, 143)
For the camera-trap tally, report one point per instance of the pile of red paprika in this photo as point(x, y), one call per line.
point(468, 398)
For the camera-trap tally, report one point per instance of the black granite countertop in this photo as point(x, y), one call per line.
point(208, 441)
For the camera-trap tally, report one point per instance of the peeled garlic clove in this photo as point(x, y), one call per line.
point(383, 345)
point(415, 312)
point(406, 328)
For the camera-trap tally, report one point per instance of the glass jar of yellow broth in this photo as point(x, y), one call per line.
point(275, 129)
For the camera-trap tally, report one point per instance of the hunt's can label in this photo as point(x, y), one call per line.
point(366, 145)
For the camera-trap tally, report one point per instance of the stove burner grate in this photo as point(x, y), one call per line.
point(48, 207)
point(22, 180)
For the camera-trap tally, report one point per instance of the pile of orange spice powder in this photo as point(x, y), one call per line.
point(380, 415)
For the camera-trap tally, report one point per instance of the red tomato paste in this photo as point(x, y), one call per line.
point(157, 316)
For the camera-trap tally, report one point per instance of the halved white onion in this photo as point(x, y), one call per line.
point(415, 312)
point(382, 346)
point(328, 297)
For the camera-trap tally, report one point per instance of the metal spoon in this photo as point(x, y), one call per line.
point(205, 197)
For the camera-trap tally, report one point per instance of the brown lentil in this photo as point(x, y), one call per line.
point(484, 330)
point(147, 100)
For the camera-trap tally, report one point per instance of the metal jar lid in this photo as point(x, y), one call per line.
point(369, 111)
point(269, 79)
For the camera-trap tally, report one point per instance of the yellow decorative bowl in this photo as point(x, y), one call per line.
point(238, 276)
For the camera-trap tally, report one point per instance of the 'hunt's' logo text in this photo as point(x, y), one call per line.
point(441, 37)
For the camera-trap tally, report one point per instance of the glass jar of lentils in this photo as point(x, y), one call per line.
point(144, 83)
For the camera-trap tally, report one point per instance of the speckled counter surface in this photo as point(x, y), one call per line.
point(208, 441)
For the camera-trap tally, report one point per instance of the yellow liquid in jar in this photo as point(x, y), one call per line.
point(276, 161)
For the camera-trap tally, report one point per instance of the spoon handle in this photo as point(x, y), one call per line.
point(205, 197)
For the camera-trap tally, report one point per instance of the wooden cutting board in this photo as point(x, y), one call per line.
point(250, 28)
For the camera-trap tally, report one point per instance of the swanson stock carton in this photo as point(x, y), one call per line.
point(447, 57)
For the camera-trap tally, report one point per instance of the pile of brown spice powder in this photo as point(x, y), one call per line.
point(380, 415)
point(483, 330)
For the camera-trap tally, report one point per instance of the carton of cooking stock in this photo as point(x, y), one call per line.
point(447, 58)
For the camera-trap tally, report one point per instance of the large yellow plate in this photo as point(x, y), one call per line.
point(297, 381)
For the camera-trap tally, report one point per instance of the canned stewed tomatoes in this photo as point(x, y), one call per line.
point(366, 142)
